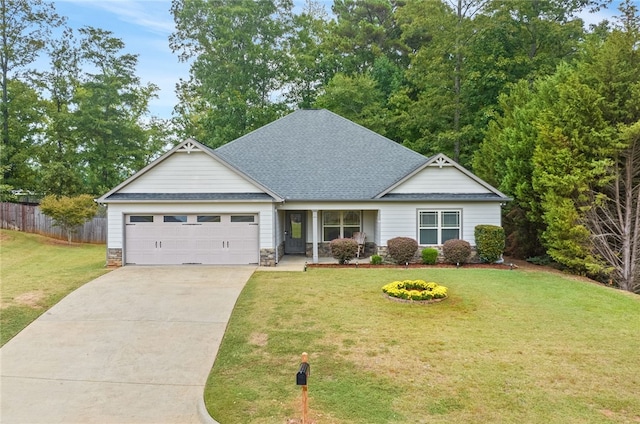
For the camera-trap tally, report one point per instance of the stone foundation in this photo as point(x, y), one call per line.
point(280, 251)
point(268, 257)
point(114, 257)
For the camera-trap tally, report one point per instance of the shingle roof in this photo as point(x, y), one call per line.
point(318, 155)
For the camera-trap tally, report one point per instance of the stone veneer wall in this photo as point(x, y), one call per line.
point(114, 257)
point(280, 251)
point(267, 257)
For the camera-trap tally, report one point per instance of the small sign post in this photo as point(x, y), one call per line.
point(301, 380)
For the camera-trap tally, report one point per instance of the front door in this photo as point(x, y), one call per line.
point(295, 229)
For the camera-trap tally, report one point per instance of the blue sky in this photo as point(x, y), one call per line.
point(145, 26)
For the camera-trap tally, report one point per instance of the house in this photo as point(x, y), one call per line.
point(289, 188)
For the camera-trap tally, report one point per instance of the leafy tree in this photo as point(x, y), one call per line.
point(25, 26)
point(28, 120)
point(69, 212)
point(573, 151)
point(505, 159)
point(362, 32)
point(109, 107)
point(239, 65)
point(356, 98)
point(59, 154)
point(312, 67)
point(573, 136)
point(612, 68)
point(436, 115)
point(614, 221)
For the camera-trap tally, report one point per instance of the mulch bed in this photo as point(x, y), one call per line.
point(419, 302)
point(368, 265)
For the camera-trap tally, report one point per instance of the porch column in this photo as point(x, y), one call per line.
point(314, 241)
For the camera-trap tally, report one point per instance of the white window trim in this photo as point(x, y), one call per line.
point(341, 225)
point(439, 227)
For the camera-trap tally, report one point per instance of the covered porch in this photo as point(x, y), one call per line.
point(308, 232)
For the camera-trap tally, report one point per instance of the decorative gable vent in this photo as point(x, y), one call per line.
point(440, 162)
point(188, 148)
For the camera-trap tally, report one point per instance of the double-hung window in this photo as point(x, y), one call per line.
point(437, 226)
point(340, 224)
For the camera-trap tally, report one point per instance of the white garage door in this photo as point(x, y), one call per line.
point(214, 239)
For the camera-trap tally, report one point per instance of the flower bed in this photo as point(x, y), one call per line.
point(415, 290)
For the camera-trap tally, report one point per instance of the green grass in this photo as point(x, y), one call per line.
point(505, 347)
point(36, 272)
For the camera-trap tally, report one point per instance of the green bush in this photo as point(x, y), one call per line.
point(402, 249)
point(69, 213)
point(376, 259)
point(456, 251)
point(429, 256)
point(490, 241)
point(344, 249)
point(415, 290)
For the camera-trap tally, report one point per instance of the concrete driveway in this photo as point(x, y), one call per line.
point(133, 346)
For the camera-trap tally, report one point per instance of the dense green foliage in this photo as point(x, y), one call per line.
point(343, 249)
point(429, 256)
point(562, 147)
point(78, 125)
point(456, 251)
point(490, 240)
point(402, 249)
point(69, 212)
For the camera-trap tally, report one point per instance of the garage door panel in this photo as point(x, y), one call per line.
point(141, 243)
point(178, 239)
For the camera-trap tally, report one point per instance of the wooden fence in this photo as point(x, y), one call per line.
point(28, 218)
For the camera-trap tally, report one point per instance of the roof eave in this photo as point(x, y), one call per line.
point(453, 163)
point(122, 201)
point(449, 199)
point(203, 148)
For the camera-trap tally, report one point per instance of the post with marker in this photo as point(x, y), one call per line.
point(301, 380)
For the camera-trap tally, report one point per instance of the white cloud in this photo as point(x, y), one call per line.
point(151, 15)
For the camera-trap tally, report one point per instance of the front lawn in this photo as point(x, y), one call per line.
point(505, 347)
point(37, 272)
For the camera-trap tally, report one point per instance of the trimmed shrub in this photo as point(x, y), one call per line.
point(429, 256)
point(490, 241)
point(415, 290)
point(343, 249)
point(456, 251)
point(402, 249)
point(376, 259)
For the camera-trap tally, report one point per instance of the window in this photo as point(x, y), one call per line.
point(208, 218)
point(436, 227)
point(141, 218)
point(242, 218)
point(340, 224)
point(175, 218)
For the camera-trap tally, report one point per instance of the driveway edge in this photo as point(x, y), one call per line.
point(203, 414)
